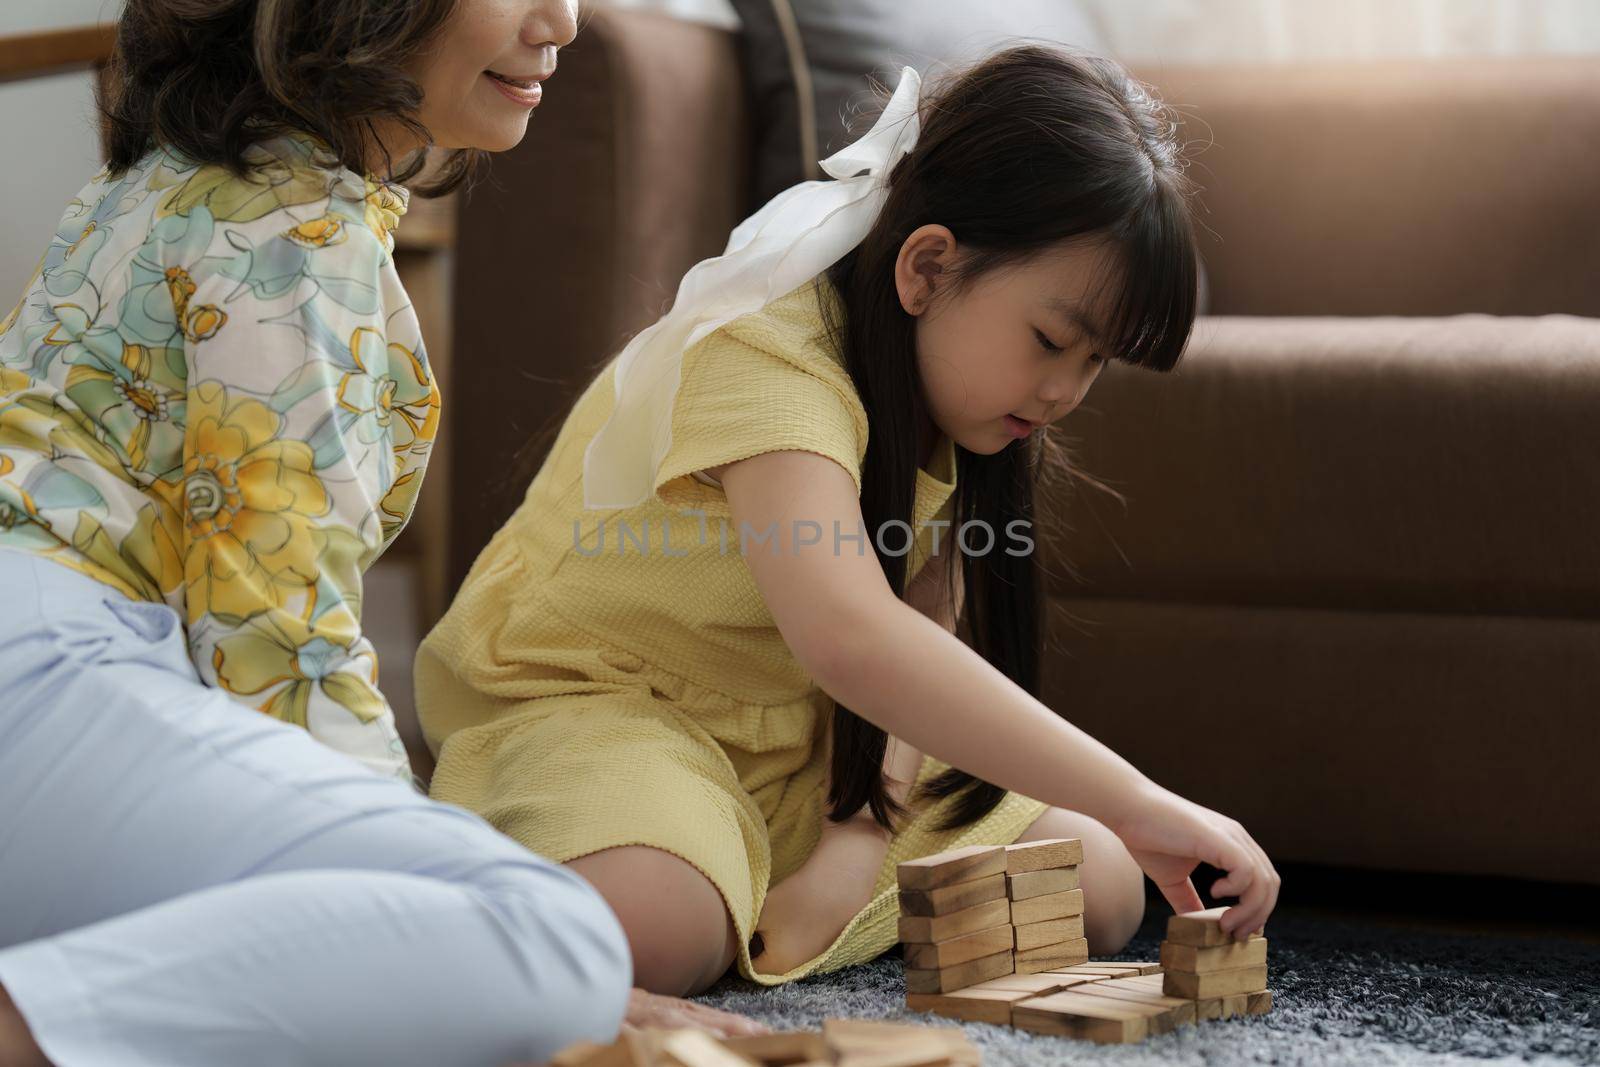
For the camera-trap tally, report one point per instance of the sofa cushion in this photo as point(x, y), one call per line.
point(1430, 465)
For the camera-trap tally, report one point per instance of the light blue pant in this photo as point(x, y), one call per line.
point(184, 881)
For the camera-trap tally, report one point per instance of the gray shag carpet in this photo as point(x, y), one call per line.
point(1344, 992)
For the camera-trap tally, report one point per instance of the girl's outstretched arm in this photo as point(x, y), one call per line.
point(914, 679)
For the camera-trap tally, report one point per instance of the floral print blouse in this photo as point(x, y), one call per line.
point(214, 394)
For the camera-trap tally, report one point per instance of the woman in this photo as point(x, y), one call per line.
point(215, 411)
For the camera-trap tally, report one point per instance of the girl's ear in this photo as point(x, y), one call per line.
point(920, 268)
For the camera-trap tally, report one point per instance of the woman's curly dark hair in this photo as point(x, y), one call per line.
point(212, 77)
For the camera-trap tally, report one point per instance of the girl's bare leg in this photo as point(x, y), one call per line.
point(678, 926)
point(806, 911)
point(1113, 884)
point(17, 1047)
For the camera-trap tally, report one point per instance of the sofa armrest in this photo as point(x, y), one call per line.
point(635, 167)
point(1396, 188)
point(1425, 465)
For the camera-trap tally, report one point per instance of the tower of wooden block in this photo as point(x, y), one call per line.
point(955, 920)
point(1223, 976)
point(1046, 904)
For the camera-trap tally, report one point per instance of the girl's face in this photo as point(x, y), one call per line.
point(1022, 341)
point(480, 79)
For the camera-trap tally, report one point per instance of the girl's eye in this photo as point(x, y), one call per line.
point(1097, 358)
point(1045, 343)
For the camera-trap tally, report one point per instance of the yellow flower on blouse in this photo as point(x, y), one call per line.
point(250, 501)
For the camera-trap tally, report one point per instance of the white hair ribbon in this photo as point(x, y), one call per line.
point(797, 235)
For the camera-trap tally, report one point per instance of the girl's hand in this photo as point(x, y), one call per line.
point(653, 1011)
point(1169, 836)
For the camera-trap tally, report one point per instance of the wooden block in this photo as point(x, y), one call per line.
point(1215, 983)
point(1196, 960)
point(878, 1043)
point(1050, 906)
point(1205, 1010)
point(952, 898)
point(949, 868)
point(1235, 1005)
point(696, 1048)
point(950, 979)
point(1043, 855)
point(1052, 957)
point(958, 950)
point(971, 1005)
point(1072, 1014)
point(1110, 970)
point(782, 1049)
point(1038, 883)
point(926, 929)
point(1199, 928)
point(1176, 1010)
point(907, 1052)
point(1033, 984)
point(1049, 932)
point(1151, 981)
point(1259, 1003)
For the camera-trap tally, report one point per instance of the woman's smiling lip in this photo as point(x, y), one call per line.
point(526, 92)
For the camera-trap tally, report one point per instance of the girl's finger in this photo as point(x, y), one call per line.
point(1182, 896)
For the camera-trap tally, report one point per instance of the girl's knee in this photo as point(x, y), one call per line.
point(1113, 883)
point(678, 928)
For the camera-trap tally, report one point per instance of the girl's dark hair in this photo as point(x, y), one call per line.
point(212, 77)
point(1034, 146)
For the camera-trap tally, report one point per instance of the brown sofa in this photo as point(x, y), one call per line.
point(1353, 594)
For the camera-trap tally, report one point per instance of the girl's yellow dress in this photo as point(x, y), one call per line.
point(609, 678)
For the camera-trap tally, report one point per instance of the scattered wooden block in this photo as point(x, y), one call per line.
point(1050, 906)
point(782, 1049)
point(1052, 957)
point(1199, 928)
point(1072, 1014)
point(952, 898)
point(878, 1043)
point(926, 929)
point(1043, 855)
point(1215, 983)
point(949, 979)
point(971, 1005)
point(950, 868)
point(1049, 932)
point(1259, 1003)
point(1038, 883)
point(696, 1048)
point(932, 957)
point(1196, 960)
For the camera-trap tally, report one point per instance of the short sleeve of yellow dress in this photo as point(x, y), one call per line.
point(610, 678)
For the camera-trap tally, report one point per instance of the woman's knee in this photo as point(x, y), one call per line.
point(1113, 883)
point(574, 952)
point(678, 927)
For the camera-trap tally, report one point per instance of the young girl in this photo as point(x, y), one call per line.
point(729, 709)
point(215, 409)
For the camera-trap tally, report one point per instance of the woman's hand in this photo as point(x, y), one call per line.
point(1169, 836)
point(651, 1010)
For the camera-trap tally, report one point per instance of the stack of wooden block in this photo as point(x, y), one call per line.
point(1046, 904)
point(1224, 977)
point(841, 1043)
point(996, 935)
point(955, 919)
